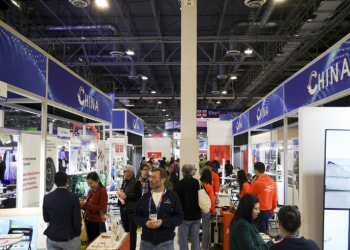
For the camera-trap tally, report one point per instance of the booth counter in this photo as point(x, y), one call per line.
point(105, 242)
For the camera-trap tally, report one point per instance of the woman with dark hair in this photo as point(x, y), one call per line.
point(206, 180)
point(243, 183)
point(95, 206)
point(243, 232)
point(289, 221)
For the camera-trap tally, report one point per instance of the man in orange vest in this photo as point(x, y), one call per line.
point(264, 187)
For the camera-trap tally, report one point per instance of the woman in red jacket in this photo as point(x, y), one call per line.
point(95, 206)
point(206, 180)
point(243, 183)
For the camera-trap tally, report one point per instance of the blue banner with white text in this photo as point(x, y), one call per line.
point(21, 65)
point(325, 77)
point(134, 123)
point(269, 108)
point(68, 90)
point(241, 123)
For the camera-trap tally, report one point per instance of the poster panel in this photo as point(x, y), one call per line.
point(51, 162)
point(155, 155)
point(75, 156)
point(27, 221)
point(101, 155)
point(31, 169)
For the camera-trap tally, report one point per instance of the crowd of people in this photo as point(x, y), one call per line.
point(158, 201)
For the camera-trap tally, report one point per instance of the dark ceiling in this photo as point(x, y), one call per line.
point(284, 36)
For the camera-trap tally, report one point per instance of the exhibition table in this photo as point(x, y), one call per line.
point(104, 242)
point(8, 240)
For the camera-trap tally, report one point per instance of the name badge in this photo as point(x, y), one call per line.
point(153, 216)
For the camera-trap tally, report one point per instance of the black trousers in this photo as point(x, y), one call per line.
point(94, 229)
point(129, 225)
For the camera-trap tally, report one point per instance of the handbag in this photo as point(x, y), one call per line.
point(203, 198)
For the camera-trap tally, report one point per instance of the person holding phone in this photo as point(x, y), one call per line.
point(94, 206)
point(289, 222)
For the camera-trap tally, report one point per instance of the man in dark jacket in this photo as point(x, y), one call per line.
point(2, 170)
point(61, 209)
point(216, 165)
point(158, 212)
point(131, 194)
point(187, 190)
point(173, 177)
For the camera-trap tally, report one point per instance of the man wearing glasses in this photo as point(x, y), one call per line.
point(158, 212)
point(144, 178)
point(131, 194)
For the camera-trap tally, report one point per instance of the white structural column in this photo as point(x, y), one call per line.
point(189, 145)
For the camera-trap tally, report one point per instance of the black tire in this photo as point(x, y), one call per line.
point(50, 173)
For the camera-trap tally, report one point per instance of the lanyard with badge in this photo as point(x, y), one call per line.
point(154, 216)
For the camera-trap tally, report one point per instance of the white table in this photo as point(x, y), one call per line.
point(122, 243)
point(11, 239)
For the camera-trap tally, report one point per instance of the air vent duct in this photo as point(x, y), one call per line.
point(133, 75)
point(254, 3)
point(144, 88)
point(222, 73)
point(215, 90)
point(80, 3)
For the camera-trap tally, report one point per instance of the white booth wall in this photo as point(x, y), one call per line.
point(162, 145)
point(312, 125)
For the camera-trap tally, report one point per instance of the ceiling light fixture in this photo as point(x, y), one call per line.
point(145, 78)
point(165, 134)
point(16, 3)
point(169, 119)
point(233, 77)
point(224, 92)
point(153, 92)
point(166, 115)
point(159, 102)
point(248, 51)
point(130, 52)
point(163, 110)
point(101, 3)
point(296, 34)
point(80, 59)
point(218, 102)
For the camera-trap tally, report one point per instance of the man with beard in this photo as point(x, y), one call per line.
point(158, 212)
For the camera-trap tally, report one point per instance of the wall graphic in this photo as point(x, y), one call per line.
point(21, 65)
point(31, 169)
point(220, 151)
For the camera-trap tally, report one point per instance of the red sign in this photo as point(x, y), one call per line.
point(121, 148)
point(117, 148)
point(220, 151)
point(155, 155)
point(157, 135)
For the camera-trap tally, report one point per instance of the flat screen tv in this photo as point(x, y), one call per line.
point(336, 219)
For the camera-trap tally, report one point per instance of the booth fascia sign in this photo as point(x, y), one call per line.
point(125, 120)
point(325, 79)
point(50, 81)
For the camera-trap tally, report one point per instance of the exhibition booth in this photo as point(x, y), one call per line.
point(36, 83)
point(127, 142)
point(287, 131)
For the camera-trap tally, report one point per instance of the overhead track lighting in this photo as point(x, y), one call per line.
point(248, 51)
point(130, 52)
point(101, 3)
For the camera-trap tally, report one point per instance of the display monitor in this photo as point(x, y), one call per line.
point(336, 222)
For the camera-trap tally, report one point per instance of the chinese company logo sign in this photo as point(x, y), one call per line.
point(87, 100)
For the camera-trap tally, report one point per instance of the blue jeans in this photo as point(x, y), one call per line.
point(167, 245)
point(262, 221)
point(205, 230)
point(73, 244)
point(189, 228)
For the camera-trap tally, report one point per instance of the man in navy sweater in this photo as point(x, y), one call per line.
point(158, 212)
point(61, 209)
